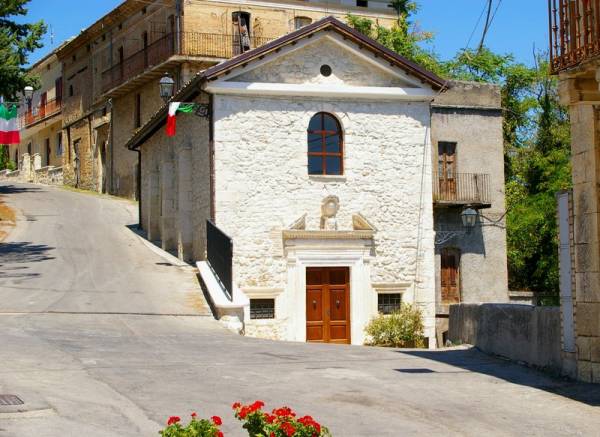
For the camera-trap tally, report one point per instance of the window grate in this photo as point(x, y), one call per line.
point(262, 308)
point(388, 303)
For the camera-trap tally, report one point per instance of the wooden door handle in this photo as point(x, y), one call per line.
point(314, 304)
point(337, 304)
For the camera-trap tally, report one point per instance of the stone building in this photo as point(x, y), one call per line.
point(468, 163)
point(112, 69)
point(574, 54)
point(40, 121)
point(307, 194)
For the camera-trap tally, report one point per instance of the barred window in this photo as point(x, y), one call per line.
point(388, 303)
point(262, 308)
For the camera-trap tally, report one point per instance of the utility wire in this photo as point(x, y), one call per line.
point(488, 22)
point(475, 28)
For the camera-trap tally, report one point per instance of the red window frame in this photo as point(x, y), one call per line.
point(324, 134)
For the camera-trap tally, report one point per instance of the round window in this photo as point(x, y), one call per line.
point(325, 70)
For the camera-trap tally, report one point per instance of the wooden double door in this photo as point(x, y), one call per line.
point(328, 304)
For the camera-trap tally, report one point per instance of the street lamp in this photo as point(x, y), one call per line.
point(166, 87)
point(469, 218)
point(28, 91)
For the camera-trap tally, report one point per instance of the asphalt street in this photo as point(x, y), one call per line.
point(102, 336)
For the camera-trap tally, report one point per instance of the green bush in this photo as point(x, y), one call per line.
point(402, 328)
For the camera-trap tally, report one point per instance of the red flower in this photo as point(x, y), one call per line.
point(236, 405)
point(257, 405)
point(219, 434)
point(172, 420)
point(194, 414)
point(288, 428)
point(284, 412)
point(217, 420)
point(269, 418)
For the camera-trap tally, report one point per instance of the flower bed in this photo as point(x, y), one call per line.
point(281, 422)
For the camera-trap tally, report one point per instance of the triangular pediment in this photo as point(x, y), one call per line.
point(326, 59)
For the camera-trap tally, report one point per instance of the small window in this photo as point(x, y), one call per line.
point(325, 145)
point(388, 303)
point(144, 10)
point(301, 22)
point(262, 308)
point(362, 3)
point(325, 70)
point(138, 111)
point(71, 91)
point(74, 58)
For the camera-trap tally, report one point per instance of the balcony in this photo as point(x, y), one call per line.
point(574, 32)
point(41, 112)
point(462, 189)
point(190, 44)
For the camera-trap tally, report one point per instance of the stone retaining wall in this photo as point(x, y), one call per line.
point(523, 333)
point(46, 175)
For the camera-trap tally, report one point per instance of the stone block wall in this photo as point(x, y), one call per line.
point(585, 144)
point(521, 333)
point(175, 191)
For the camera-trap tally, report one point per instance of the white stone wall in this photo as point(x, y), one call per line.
point(262, 186)
point(176, 188)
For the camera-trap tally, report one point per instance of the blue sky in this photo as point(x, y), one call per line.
point(517, 27)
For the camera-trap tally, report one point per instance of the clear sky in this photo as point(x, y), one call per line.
point(518, 24)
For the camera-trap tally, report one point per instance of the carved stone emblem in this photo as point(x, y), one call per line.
point(329, 209)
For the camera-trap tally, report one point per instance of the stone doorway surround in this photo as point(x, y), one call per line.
point(320, 248)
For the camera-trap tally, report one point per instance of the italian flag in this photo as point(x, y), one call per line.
point(9, 133)
point(174, 108)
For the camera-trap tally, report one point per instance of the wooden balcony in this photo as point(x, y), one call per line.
point(574, 32)
point(41, 112)
point(187, 44)
point(461, 189)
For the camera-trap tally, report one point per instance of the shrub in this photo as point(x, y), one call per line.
point(196, 427)
point(282, 422)
point(402, 328)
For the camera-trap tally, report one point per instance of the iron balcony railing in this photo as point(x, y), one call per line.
point(210, 45)
point(219, 251)
point(574, 27)
point(40, 112)
point(462, 188)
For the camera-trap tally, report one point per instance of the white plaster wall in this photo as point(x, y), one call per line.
point(262, 186)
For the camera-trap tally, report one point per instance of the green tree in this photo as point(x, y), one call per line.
point(401, 39)
point(17, 41)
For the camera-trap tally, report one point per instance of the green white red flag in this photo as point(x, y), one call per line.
point(9, 132)
point(174, 108)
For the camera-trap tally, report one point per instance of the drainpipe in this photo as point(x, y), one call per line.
point(211, 155)
point(178, 26)
point(110, 147)
point(139, 187)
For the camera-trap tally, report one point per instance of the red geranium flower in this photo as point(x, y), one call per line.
point(288, 428)
point(236, 405)
point(194, 414)
point(172, 420)
point(217, 420)
point(219, 434)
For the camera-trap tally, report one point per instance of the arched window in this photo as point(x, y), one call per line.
point(325, 145)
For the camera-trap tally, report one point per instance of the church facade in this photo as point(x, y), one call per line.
point(304, 187)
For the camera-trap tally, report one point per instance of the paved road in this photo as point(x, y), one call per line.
point(105, 375)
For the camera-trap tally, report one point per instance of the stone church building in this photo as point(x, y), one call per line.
point(306, 186)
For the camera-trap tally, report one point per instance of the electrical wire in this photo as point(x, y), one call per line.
point(476, 26)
